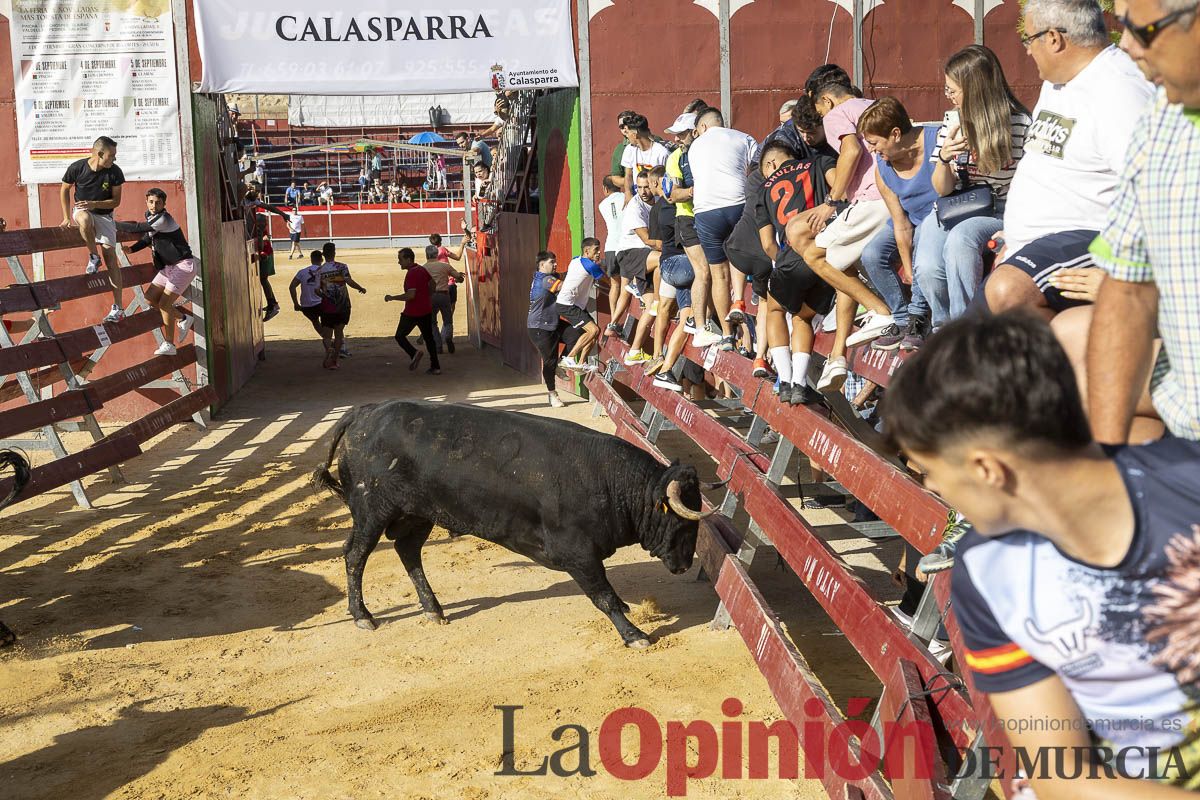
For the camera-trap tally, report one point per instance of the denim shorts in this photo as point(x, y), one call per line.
point(677, 272)
point(713, 228)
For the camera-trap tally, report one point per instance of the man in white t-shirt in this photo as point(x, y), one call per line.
point(572, 303)
point(633, 250)
point(610, 209)
point(295, 229)
point(642, 152)
point(1091, 100)
point(308, 281)
point(719, 158)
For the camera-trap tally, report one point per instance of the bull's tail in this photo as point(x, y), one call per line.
point(20, 468)
point(322, 477)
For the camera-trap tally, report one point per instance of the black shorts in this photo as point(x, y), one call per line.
point(748, 258)
point(335, 319)
point(794, 285)
point(295, 238)
point(567, 336)
point(685, 230)
point(1043, 257)
point(313, 313)
point(574, 316)
point(611, 267)
point(633, 262)
point(687, 370)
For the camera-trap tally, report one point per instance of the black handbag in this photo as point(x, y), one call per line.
point(972, 201)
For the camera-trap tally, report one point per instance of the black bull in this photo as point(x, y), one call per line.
point(553, 491)
point(21, 474)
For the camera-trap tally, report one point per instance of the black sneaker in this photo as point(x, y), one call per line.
point(785, 392)
point(450, 346)
point(803, 396)
point(890, 338)
point(914, 338)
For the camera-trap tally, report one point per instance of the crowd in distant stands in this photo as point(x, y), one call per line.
point(957, 243)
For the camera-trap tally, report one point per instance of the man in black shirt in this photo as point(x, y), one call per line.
point(97, 181)
point(791, 185)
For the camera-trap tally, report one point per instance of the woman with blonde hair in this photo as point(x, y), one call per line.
point(978, 146)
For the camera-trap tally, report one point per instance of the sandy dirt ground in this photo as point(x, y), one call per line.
point(189, 637)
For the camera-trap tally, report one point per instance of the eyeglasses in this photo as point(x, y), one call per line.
point(1028, 40)
point(950, 93)
point(1145, 34)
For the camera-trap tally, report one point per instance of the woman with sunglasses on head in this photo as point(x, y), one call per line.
point(979, 144)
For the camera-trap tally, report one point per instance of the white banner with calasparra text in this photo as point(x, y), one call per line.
point(384, 46)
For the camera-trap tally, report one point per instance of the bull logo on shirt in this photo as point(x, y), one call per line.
point(1049, 134)
point(1068, 638)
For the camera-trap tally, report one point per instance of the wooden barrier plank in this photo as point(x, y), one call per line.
point(74, 467)
point(44, 377)
point(162, 418)
point(53, 292)
point(36, 415)
point(787, 673)
point(113, 386)
point(918, 772)
point(42, 240)
point(73, 344)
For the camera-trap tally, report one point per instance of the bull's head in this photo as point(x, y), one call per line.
point(674, 521)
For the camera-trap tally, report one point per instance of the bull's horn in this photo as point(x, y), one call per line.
point(679, 508)
point(708, 486)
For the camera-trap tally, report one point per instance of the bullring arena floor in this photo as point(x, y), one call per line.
point(189, 637)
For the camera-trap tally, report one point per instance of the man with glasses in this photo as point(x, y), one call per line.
point(1150, 246)
point(1091, 99)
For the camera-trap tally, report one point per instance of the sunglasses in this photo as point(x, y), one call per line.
point(1028, 40)
point(1145, 34)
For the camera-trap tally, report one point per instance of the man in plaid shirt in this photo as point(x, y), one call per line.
point(1151, 244)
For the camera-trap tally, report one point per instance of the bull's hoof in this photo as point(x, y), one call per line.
point(438, 618)
point(638, 644)
point(366, 623)
point(7, 637)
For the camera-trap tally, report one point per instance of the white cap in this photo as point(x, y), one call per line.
point(787, 107)
point(683, 123)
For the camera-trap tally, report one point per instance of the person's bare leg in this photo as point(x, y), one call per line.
point(87, 229)
point(801, 240)
point(170, 314)
point(700, 284)
point(674, 347)
point(1008, 288)
point(777, 327)
point(720, 295)
point(737, 284)
point(622, 303)
point(1071, 329)
point(844, 311)
point(643, 324)
point(584, 346)
point(760, 329)
point(115, 279)
point(662, 324)
point(614, 295)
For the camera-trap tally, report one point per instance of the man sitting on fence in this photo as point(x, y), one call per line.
point(1076, 591)
point(176, 267)
point(583, 271)
point(97, 181)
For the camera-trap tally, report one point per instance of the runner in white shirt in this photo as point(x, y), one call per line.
point(308, 280)
point(1075, 148)
point(719, 158)
point(610, 209)
point(572, 302)
point(295, 229)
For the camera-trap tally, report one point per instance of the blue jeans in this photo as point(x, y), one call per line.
point(879, 260)
point(677, 271)
point(948, 264)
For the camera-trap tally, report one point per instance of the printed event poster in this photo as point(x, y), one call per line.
point(89, 68)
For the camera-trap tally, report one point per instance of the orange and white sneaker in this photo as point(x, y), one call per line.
point(737, 312)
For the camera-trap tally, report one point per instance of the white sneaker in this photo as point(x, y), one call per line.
point(165, 349)
point(568, 363)
point(940, 650)
point(633, 290)
point(555, 401)
point(184, 325)
point(829, 324)
point(115, 314)
point(93, 265)
point(872, 326)
point(705, 338)
point(833, 376)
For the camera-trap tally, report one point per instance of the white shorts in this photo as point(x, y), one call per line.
point(106, 228)
point(847, 236)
